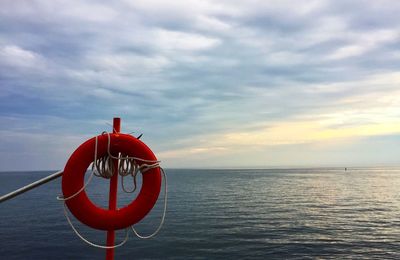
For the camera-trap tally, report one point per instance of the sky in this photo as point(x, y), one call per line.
point(210, 84)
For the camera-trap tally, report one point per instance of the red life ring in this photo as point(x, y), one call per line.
point(83, 208)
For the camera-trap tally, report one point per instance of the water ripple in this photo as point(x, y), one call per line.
point(219, 214)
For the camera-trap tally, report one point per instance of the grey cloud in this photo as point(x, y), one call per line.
point(365, 15)
point(257, 67)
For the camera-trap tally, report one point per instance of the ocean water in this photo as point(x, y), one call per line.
point(223, 214)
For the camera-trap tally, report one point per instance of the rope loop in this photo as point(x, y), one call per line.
point(127, 164)
point(103, 167)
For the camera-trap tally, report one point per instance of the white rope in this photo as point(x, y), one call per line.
point(131, 168)
point(95, 171)
point(100, 167)
point(164, 212)
point(103, 167)
point(128, 167)
point(61, 198)
point(123, 184)
point(91, 243)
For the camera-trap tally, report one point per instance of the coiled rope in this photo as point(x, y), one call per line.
point(103, 167)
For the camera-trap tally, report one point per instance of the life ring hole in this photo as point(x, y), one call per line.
point(99, 188)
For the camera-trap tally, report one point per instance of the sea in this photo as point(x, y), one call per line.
point(315, 213)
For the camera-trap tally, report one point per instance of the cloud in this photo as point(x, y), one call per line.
point(14, 59)
point(366, 42)
point(17, 56)
point(165, 39)
point(199, 77)
point(345, 119)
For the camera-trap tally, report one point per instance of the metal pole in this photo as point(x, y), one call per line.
point(31, 186)
point(112, 202)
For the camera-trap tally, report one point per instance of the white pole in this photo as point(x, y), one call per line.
point(31, 186)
